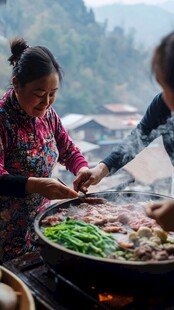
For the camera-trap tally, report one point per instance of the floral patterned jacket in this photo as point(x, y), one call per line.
point(29, 147)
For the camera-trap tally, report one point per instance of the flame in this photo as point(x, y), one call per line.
point(117, 301)
point(104, 297)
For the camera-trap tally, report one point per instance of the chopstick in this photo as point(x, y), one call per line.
point(81, 195)
point(58, 179)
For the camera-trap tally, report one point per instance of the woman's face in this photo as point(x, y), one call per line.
point(36, 97)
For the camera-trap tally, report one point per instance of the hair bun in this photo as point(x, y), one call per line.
point(18, 46)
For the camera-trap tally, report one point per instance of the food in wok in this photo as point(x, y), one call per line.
point(107, 229)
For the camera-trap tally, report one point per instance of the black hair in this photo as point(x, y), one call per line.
point(163, 60)
point(31, 63)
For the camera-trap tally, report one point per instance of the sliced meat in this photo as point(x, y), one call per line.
point(93, 200)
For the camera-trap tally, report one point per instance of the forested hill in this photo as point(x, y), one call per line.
point(149, 22)
point(99, 67)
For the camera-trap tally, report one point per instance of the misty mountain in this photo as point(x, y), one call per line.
point(148, 23)
point(99, 67)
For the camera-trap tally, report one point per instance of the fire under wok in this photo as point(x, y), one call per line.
point(101, 269)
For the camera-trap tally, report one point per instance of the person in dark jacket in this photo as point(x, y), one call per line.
point(157, 121)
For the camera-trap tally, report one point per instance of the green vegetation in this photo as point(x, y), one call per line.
point(99, 67)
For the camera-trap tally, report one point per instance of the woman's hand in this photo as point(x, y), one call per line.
point(163, 213)
point(86, 177)
point(49, 188)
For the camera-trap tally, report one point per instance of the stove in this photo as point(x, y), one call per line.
point(55, 291)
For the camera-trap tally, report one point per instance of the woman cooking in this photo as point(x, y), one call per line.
point(32, 141)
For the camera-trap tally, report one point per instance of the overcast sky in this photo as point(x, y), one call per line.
point(92, 3)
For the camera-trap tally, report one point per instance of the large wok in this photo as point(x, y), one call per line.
point(66, 261)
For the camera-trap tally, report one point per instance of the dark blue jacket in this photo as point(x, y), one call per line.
point(157, 121)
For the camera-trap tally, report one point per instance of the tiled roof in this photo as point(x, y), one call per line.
point(120, 108)
point(73, 121)
point(113, 122)
point(110, 121)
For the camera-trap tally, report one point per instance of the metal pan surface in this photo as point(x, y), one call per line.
point(65, 260)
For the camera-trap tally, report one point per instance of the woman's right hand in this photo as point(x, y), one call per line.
point(49, 188)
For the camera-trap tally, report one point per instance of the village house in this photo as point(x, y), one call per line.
point(96, 136)
point(105, 129)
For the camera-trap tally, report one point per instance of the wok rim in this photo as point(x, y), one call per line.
point(96, 258)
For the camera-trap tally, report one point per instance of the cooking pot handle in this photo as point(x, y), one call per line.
point(36, 243)
point(35, 240)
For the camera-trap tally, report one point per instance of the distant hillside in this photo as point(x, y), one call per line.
point(149, 23)
point(99, 67)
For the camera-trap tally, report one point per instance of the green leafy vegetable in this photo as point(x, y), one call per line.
point(82, 237)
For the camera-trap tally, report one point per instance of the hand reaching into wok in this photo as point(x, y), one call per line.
point(49, 188)
point(86, 177)
point(163, 213)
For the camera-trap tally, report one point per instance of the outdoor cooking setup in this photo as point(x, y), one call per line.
point(60, 278)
